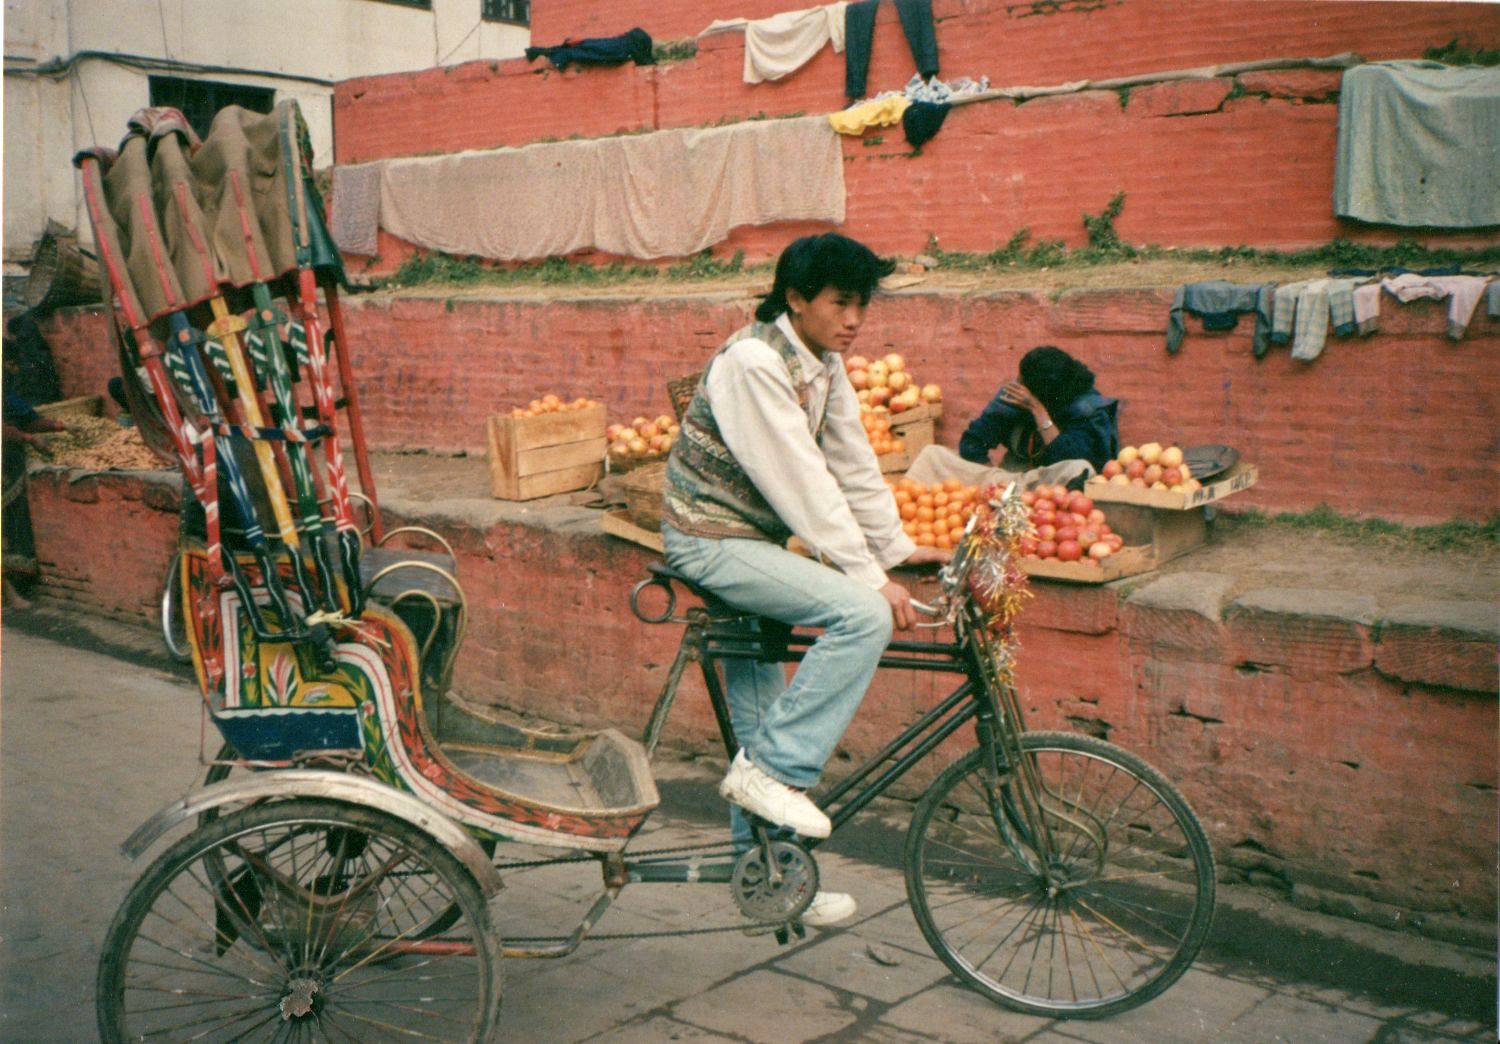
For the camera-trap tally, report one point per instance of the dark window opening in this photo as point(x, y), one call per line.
point(518, 11)
point(200, 100)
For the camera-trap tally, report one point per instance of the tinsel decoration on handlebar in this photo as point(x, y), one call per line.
point(997, 586)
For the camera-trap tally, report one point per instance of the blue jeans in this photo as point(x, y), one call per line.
point(790, 731)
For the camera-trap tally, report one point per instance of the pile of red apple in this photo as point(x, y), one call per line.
point(642, 437)
point(1067, 527)
point(1149, 466)
point(885, 388)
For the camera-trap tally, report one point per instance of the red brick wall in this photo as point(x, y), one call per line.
point(82, 352)
point(1016, 42)
point(1197, 168)
point(1309, 754)
point(1344, 429)
point(1397, 425)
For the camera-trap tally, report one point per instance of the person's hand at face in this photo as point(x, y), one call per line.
point(1017, 394)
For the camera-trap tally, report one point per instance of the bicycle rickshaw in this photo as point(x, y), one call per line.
point(345, 850)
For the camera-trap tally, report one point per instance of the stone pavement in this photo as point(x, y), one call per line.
point(91, 745)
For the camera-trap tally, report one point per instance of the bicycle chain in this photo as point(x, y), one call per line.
point(746, 927)
point(594, 858)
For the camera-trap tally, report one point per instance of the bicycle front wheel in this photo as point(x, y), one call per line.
point(1092, 905)
point(301, 920)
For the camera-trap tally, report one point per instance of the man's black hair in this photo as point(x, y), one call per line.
point(812, 263)
point(1055, 377)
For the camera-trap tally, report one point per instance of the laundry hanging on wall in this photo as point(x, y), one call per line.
point(634, 46)
point(1419, 145)
point(665, 194)
point(859, 33)
point(355, 222)
point(780, 45)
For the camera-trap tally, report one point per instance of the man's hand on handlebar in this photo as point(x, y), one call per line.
point(902, 613)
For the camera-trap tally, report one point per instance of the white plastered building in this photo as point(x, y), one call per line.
point(75, 70)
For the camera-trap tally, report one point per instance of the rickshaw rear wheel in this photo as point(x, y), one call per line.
point(301, 918)
point(225, 763)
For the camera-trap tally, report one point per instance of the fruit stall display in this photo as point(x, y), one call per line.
point(554, 444)
point(1067, 526)
point(896, 409)
point(1169, 477)
point(1150, 466)
point(934, 515)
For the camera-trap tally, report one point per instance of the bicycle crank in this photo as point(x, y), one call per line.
point(774, 882)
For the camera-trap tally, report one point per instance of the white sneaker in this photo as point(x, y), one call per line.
point(753, 790)
point(829, 908)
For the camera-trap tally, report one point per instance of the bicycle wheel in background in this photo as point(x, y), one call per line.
point(300, 919)
point(173, 623)
point(1111, 916)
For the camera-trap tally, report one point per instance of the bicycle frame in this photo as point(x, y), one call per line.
point(709, 639)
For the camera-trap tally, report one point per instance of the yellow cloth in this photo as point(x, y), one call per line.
point(882, 112)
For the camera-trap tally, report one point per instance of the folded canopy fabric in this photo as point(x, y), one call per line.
point(191, 219)
point(665, 194)
point(1419, 145)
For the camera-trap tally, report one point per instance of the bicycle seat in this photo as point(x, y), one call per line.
point(768, 635)
point(715, 605)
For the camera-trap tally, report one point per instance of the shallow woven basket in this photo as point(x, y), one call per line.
point(681, 390)
point(643, 489)
point(623, 465)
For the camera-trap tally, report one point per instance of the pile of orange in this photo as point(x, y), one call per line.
point(935, 515)
point(878, 429)
point(552, 404)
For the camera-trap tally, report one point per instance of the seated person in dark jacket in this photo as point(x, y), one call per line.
point(1052, 414)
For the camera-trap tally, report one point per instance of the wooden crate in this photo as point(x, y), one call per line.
point(534, 457)
point(1168, 533)
point(917, 428)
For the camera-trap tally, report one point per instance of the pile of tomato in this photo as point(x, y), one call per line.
point(935, 515)
point(1066, 526)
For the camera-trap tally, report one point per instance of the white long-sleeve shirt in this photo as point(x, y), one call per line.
point(831, 496)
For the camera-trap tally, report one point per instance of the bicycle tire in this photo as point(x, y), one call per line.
point(311, 935)
point(173, 623)
point(224, 764)
point(1124, 911)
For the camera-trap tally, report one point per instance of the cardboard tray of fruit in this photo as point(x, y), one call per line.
point(1241, 476)
point(1127, 561)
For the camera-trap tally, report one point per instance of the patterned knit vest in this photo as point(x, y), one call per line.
point(707, 493)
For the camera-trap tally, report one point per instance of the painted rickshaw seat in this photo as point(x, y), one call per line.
point(271, 702)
